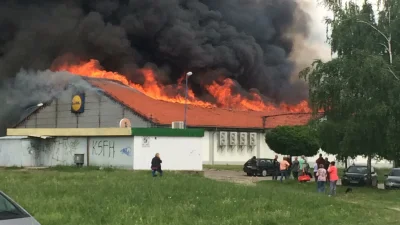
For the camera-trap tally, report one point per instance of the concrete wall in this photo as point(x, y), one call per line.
point(57, 151)
point(100, 111)
point(15, 152)
point(177, 153)
point(214, 154)
point(109, 151)
point(103, 151)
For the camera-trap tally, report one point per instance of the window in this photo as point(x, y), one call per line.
point(8, 210)
point(395, 173)
point(357, 169)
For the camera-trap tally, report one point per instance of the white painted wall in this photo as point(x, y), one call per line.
point(214, 154)
point(177, 153)
point(57, 151)
point(15, 152)
point(103, 151)
point(111, 151)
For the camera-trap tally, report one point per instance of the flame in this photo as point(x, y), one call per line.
point(222, 92)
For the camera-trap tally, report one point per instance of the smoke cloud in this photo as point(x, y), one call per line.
point(251, 41)
point(18, 102)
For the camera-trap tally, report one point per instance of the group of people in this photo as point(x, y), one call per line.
point(324, 172)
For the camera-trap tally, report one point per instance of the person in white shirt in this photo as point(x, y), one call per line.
point(315, 171)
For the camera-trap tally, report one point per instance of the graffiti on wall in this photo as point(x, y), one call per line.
point(126, 151)
point(105, 148)
point(51, 152)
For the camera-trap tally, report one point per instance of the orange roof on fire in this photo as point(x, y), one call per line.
point(164, 113)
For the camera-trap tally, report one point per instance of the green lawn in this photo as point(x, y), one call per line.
point(224, 167)
point(124, 197)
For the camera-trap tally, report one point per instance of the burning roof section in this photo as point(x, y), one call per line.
point(164, 113)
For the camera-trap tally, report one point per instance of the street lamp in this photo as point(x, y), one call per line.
point(188, 74)
point(37, 105)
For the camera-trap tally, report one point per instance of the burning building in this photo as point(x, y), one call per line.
point(244, 55)
point(102, 99)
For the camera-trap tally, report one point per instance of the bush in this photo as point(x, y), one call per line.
point(293, 140)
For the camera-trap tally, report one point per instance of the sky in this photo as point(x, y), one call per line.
point(318, 28)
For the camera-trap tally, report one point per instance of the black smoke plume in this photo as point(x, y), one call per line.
point(249, 40)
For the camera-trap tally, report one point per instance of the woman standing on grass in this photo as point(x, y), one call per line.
point(321, 174)
point(156, 165)
point(284, 165)
point(333, 178)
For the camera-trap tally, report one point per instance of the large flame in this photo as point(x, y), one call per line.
point(221, 91)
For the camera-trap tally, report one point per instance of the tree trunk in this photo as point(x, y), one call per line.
point(369, 165)
point(345, 162)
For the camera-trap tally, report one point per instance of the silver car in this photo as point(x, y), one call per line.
point(392, 180)
point(13, 214)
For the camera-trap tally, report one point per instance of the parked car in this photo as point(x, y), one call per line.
point(265, 167)
point(358, 175)
point(13, 214)
point(392, 180)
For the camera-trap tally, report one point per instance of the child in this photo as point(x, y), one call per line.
point(321, 174)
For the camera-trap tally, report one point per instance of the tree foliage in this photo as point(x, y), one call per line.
point(359, 90)
point(293, 140)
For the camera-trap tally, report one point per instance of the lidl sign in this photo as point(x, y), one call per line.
point(78, 103)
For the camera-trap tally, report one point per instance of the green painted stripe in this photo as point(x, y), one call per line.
point(168, 132)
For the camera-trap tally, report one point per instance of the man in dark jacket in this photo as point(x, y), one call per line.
point(326, 166)
point(156, 165)
point(253, 164)
point(320, 160)
point(276, 168)
point(295, 168)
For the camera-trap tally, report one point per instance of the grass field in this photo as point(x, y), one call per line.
point(93, 197)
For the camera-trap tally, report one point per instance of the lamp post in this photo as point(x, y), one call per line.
point(188, 74)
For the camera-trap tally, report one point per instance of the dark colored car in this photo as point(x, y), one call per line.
point(265, 167)
point(13, 214)
point(392, 180)
point(358, 175)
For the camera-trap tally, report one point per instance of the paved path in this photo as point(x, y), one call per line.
point(242, 178)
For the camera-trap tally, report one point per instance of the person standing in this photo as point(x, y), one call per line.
point(301, 162)
point(253, 164)
point(320, 160)
point(295, 168)
point(321, 174)
point(276, 168)
point(316, 170)
point(284, 165)
point(333, 178)
point(156, 165)
point(326, 166)
point(289, 170)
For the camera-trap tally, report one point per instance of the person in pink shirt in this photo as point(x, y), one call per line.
point(283, 166)
point(333, 178)
point(321, 176)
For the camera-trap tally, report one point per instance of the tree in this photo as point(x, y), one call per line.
point(359, 89)
point(293, 140)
